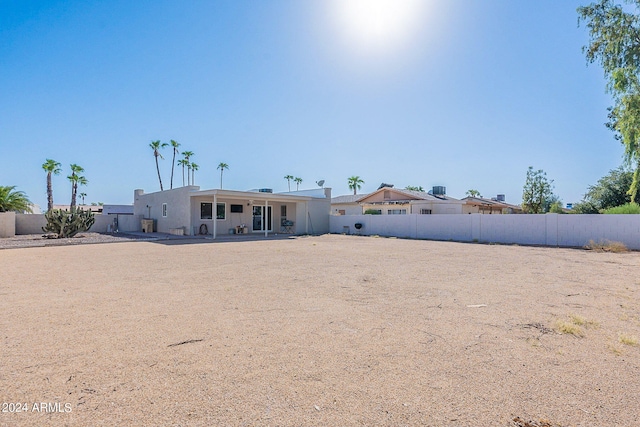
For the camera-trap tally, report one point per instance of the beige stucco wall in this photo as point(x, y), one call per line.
point(178, 208)
point(7, 224)
point(348, 208)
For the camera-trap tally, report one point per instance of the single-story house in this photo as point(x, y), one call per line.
point(489, 206)
point(393, 201)
point(193, 211)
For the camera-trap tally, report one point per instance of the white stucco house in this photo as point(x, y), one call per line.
point(213, 212)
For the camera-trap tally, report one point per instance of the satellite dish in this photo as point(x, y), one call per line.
point(320, 183)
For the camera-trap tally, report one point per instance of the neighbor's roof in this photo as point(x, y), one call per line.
point(349, 198)
point(488, 202)
point(412, 194)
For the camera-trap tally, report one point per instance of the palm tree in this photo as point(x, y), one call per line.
point(355, 183)
point(156, 146)
point(288, 178)
point(187, 155)
point(82, 196)
point(175, 146)
point(194, 168)
point(473, 193)
point(222, 167)
point(183, 163)
point(76, 179)
point(50, 167)
point(13, 201)
point(298, 181)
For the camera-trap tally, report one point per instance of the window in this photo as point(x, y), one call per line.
point(283, 211)
point(397, 212)
point(236, 208)
point(206, 210)
point(425, 211)
point(342, 212)
point(220, 211)
point(164, 210)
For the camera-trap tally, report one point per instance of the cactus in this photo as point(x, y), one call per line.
point(67, 224)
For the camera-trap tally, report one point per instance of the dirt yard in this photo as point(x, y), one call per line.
point(318, 331)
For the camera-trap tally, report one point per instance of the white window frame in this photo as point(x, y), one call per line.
point(224, 213)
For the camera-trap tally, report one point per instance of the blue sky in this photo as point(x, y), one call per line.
point(468, 95)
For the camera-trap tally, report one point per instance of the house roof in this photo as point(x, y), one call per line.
point(411, 195)
point(349, 198)
point(481, 201)
point(253, 195)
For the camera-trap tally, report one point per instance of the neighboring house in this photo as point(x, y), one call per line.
point(393, 201)
point(489, 206)
point(215, 212)
point(346, 205)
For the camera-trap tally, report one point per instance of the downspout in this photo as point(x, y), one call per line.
point(214, 215)
point(265, 218)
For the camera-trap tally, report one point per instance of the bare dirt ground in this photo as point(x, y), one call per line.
point(318, 331)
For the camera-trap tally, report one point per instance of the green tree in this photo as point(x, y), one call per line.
point(610, 191)
point(222, 167)
point(288, 178)
point(76, 179)
point(174, 145)
point(156, 146)
point(355, 183)
point(50, 167)
point(183, 163)
point(414, 188)
point(298, 181)
point(473, 193)
point(13, 201)
point(186, 162)
point(82, 196)
point(537, 193)
point(614, 31)
point(194, 168)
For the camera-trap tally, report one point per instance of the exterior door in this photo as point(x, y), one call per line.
point(260, 220)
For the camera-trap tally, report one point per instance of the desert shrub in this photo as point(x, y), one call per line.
point(67, 224)
point(606, 246)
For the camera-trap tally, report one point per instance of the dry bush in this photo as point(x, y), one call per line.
point(606, 246)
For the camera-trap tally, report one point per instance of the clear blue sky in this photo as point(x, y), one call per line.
point(461, 94)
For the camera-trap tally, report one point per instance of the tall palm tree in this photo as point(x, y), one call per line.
point(222, 167)
point(298, 182)
point(50, 167)
point(156, 146)
point(13, 201)
point(175, 146)
point(355, 183)
point(82, 196)
point(194, 168)
point(288, 178)
point(183, 163)
point(76, 179)
point(187, 156)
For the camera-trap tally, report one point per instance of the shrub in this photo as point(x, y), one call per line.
point(606, 246)
point(68, 224)
point(627, 208)
point(373, 212)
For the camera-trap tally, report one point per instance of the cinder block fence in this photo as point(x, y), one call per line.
point(549, 229)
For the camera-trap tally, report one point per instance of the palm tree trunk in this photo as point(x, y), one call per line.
point(173, 163)
point(158, 169)
point(221, 170)
point(183, 175)
point(49, 192)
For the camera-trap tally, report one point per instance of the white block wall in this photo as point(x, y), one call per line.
point(550, 229)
